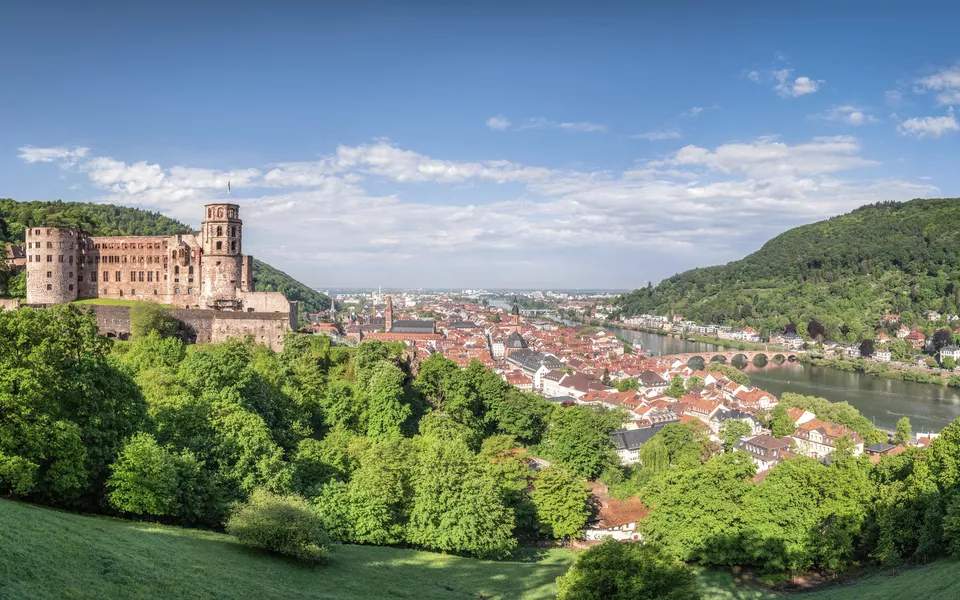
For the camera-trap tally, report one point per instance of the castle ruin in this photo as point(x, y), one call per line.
point(204, 271)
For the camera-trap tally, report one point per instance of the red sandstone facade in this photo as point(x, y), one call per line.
point(206, 269)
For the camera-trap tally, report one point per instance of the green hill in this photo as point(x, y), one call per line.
point(108, 219)
point(889, 257)
point(53, 554)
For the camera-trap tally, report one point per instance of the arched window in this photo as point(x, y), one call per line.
point(220, 213)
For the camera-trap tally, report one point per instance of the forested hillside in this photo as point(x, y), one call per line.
point(108, 219)
point(845, 272)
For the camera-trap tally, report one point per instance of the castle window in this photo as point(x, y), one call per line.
point(176, 269)
point(121, 293)
point(70, 287)
point(49, 274)
point(154, 292)
point(133, 275)
point(233, 246)
point(36, 232)
point(118, 276)
point(219, 245)
point(149, 260)
point(133, 292)
point(106, 276)
point(59, 258)
point(219, 231)
point(189, 290)
point(190, 270)
point(80, 279)
point(176, 290)
point(93, 275)
point(220, 213)
point(49, 258)
point(140, 276)
point(70, 275)
point(49, 287)
point(71, 260)
point(49, 244)
point(149, 276)
point(233, 232)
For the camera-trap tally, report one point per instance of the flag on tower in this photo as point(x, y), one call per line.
point(228, 187)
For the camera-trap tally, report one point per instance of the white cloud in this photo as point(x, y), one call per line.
point(498, 123)
point(766, 157)
point(798, 87)
point(695, 111)
point(501, 123)
point(893, 98)
point(946, 82)
point(653, 136)
point(59, 154)
point(753, 76)
point(929, 127)
point(431, 219)
point(847, 114)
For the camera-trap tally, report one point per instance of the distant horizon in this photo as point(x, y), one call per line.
point(503, 143)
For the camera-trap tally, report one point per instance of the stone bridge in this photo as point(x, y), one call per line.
point(728, 356)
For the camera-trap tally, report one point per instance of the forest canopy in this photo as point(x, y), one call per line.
point(845, 272)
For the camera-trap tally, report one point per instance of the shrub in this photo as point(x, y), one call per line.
point(616, 571)
point(281, 524)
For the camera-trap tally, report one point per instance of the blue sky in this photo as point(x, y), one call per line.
point(439, 144)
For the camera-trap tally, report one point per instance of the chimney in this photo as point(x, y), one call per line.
point(388, 315)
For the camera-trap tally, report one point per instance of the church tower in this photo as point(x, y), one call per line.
point(388, 315)
point(222, 263)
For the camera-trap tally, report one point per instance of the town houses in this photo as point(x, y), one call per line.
point(588, 366)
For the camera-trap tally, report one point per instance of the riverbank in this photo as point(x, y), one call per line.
point(895, 371)
point(886, 370)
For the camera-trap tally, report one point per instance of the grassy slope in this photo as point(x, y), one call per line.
point(937, 581)
point(50, 554)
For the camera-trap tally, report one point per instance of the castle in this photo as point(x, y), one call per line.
point(206, 270)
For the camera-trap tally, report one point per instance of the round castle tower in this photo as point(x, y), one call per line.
point(222, 262)
point(52, 265)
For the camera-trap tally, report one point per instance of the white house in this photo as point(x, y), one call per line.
point(950, 352)
point(882, 355)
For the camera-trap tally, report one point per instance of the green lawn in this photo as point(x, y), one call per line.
point(117, 302)
point(50, 554)
point(937, 581)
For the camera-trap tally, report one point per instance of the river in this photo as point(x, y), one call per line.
point(884, 401)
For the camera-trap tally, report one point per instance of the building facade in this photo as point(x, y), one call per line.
point(205, 269)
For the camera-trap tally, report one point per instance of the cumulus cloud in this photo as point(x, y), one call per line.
point(379, 213)
point(847, 114)
point(64, 155)
point(800, 86)
point(653, 136)
point(929, 127)
point(946, 82)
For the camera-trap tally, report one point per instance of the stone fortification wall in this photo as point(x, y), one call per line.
point(205, 326)
point(9, 303)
